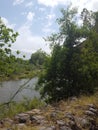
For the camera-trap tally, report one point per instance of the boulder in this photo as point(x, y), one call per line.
point(22, 118)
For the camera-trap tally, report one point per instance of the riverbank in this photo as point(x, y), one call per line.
point(22, 75)
point(72, 114)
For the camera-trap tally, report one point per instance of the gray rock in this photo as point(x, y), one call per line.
point(65, 128)
point(73, 125)
point(90, 113)
point(21, 118)
point(84, 123)
point(60, 122)
point(70, 116)
point(37, 119)
point(93, 110)
point(48, 128)
point(91, 106)
point(53, 115)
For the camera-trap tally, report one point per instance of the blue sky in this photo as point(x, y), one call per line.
point(35, 19)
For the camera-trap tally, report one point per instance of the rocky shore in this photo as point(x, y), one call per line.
point(59, 116)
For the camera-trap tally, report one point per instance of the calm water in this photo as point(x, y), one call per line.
point(9, 88)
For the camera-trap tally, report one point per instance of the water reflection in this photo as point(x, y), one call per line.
point(9, 88)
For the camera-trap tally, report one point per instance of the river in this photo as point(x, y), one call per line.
point(9, 88)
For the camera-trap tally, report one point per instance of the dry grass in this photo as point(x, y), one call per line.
point(57, 111)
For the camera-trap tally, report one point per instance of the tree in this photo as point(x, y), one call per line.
point(7, 36)
point(38, 58)
point(73, 62)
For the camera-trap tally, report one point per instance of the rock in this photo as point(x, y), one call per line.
point(53, 115)
point(1, 124)
point(84, 123)
point(22, 118)
point(65, 128)
point(21, 126)
point(73, 125)
point(60, 122)
point(37, 119)
point(70, 116)
point(34, 112)
point(93, 110)
point(91, 106)
point(8, 122)
point(48, 128)
point(74, 99)
point(93, 128)
point(90, 113)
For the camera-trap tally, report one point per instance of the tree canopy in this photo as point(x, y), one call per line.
point(38, 58)
point(73, 67)
point(7, 37)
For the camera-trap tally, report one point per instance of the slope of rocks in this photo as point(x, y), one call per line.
point(70, 115)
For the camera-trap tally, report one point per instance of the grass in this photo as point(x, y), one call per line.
point(14, 108)
point(76, 107)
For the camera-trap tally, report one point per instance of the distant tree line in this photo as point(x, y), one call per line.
point(72, 68)
point(12, 66)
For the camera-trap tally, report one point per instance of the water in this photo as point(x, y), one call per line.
point(9, 88)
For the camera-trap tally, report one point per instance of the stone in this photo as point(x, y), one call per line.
point(65, 128)
point(93, 110)
point(73, 125)
point(69, 116)
point(48, 128)
point(84, 123)
point(53, 115)
point(34, 112)
point(60, 122)
point(1, 124)
point(37, 119)
point(21, 126)
point(91, 106)
point(90, 113)
point(21, 118)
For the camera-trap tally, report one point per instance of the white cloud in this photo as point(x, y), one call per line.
point(6, 22)
point(48, 27)
point(89, 4)
point(17, 2)
point(30, 16)
point(52, 3)
point(28, 43)
point(50, 16)
point(29, 4)
point(42, 9)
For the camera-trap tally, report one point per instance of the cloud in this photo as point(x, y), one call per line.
point(29, 4)
point(52, 3)
point(6, 22)
point(48, 27)
point(17, 2)
point(30, 16)
point(50, 16)
point(42, 9)
point(28, 43)
point(91, 5)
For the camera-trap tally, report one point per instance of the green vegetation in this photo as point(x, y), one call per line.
point(72, 68)
point(13, 108)
point(38, 58)
point(12, 67)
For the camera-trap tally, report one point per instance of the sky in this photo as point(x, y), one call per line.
point(34, 20)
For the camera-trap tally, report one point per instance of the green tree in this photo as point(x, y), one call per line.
point(73, 62)
point(7, 36)
point(38, 58)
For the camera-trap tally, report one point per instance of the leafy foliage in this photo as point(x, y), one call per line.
point(73, 67)
point(7, 36)
point(38, 58)
point(12, 67)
